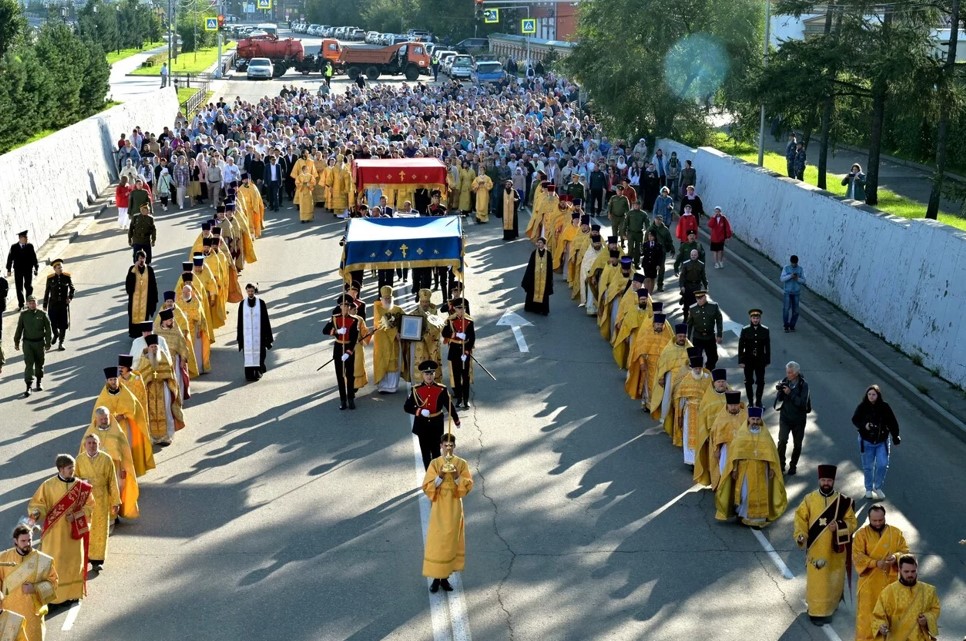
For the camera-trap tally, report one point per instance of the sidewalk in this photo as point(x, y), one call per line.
point(125, 87)
point(905, 178)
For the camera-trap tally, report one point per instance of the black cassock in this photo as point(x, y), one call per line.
point(529, 282)
point(246, 316)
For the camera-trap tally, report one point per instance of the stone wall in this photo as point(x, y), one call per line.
point(45, 184)
point(904, 280)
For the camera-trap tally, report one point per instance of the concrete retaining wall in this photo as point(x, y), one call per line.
point(902, 279)
point(45, 184)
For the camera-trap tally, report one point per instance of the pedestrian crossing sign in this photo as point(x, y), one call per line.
point(528, 26)
point(263, 5)
point(211, 24)
point(491, 16)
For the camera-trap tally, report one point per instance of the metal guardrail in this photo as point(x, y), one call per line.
point(202, 81)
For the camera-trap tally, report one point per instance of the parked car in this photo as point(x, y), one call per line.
point(444, 56)
point(260, 68)
point(473, 46)
point(357, 34)
point(488, 71)
point(461, 67)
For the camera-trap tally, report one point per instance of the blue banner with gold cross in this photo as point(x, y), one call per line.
point(384, 243)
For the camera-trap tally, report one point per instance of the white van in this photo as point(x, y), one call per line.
point(268, 27)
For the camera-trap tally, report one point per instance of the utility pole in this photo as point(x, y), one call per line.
point(761, 124)
point(221, 11)
point(170, 39)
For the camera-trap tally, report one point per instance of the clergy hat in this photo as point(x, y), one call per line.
point(187, 278)
point(151, 339)
point(552, 188)
point(595, 237)
point(719, 374)
point(585, 220)
point(681, 328)
point(612, 240)
point(245, 175)
point(206, 226)
point(207, 242)
point(186, 266)
point(754, 311)
point(826, 471)
point(696, 361)
point(428, 366)
point(642, 292)
point(457, 303)
point(220, 209)
point(615, 253)
point(425, 295)
point(578, 202)
point(56, 261)
point(732, 397)
point(694, 351)
point(199, 260)
point(22, 234)
point(639, 278)
point(755, 412)
point(700, 292)
point(125, 360)
point(657, 306)
point(146, 326)
point(166, 314)
point(564, 199)
point(110, 372)
point(595, 227)
point(168, 295)
point(229, 206)
point(659, 319)
point(385, 291)
point(575, 215)
point(626, 262)
point(216, 230)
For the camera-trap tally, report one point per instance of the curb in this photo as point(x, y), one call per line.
point(926, 169)
point(956, 426)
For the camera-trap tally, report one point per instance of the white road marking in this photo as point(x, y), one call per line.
point(773, 555)
point(515, 322)
point(455, 625)
point(71, 617)
point(652, 431)
point(613, 538)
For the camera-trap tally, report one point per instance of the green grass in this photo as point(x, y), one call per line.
point(114, 56)
point(889, 201)
point(193, 62)
point(184, 93)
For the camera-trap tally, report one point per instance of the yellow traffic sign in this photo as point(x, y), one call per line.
point(528, 26)
point(263, 5)
point(211, 24)
point(491, 16)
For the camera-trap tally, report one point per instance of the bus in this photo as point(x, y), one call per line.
point(268, 27)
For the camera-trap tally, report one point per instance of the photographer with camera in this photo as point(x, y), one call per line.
point(793, 405)
point(876, 422)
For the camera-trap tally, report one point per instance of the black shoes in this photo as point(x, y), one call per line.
point(39, 387)
point(791, 472)
point(352, 404)
point(434, 586)
point(342, 406)
point(27, 393)
point(61, 348)
point(444, 583)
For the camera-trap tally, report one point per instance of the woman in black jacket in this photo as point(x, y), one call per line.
point(876, 422)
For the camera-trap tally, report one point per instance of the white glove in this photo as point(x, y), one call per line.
point(340, 331)
point(461, 336)
point(424, 412)
point(463, 358)
point(345, 357)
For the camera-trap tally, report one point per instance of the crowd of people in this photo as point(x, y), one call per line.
point(507, 149)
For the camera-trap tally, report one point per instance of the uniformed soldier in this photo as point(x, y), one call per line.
point(684, 251)
point(344, 327)
point(705, 326)
point(460, 334)
point(692, 279)
point(754, 355)
point(456, 291)
point(33, 327)
point(22, 259)
point(636, 224)
point(427, 402)
point(57, 297)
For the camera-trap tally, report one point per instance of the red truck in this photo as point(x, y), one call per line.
point(284, 54)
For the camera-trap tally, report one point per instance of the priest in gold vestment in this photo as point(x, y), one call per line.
point(672, 364)
point(686, 396)
point(386, 346)
point(129, 413)
point(824, 523)
point(445, 551)
point(642, 362)
point(62, 505)
point(908, 609)
point(28, 584)
point(96, 466)
point(114, 441)
point(164, 402)
point(876, 549)
point(712, 404)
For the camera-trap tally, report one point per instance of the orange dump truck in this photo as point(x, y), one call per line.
point(408, 59)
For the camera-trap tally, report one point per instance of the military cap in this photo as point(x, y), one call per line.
point(428, 366)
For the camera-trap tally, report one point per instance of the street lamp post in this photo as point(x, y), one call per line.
point(761, 124)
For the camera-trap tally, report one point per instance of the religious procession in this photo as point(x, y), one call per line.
point(142, 404)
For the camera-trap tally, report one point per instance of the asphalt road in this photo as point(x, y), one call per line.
point(275, 515)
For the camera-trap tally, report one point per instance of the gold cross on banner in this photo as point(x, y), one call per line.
point(402, 176)
point(403, 249)
point(377, 176)
point(822, 522)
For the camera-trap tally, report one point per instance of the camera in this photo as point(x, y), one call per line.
point(781, 384)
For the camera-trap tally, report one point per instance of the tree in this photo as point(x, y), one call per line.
point(66, 59)
point(947, 98)
point(12, 24)
point(674, 60)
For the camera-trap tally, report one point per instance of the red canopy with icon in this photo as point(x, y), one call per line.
point(429, 173)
